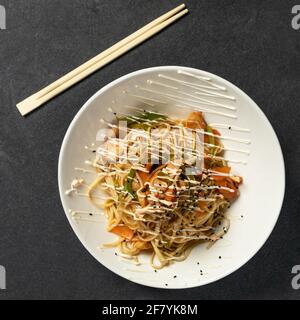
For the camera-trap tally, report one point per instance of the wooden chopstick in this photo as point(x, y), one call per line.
point(105, 57)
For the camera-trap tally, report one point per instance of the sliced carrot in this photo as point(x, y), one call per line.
point(144, 176)
point(202, 205)
point(170, 195)
point(228, 194)
point(123, 231)
point(195, 120)
point(216, 132)
point(223, 170)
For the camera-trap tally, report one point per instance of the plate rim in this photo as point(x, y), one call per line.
point(188, 69)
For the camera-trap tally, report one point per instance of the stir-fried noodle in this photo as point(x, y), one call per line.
point(162, 195)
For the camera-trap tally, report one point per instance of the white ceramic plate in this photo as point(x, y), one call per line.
point(252, 217)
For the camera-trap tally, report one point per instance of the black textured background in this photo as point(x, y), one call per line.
point(250, 43)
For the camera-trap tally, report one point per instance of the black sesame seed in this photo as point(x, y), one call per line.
point(166, 284)
point(220, 257)
point(198, 263)
point(229, 128)
point(155, 270)
point(175, 277)
point(115, 113)
point(90, 214)
point(116, 254)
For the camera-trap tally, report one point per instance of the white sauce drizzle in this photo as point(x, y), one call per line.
point(206, 81)
point(188, 106)
point(193, 98)
point(206, 91)
point(193, 75)
point(144, 98)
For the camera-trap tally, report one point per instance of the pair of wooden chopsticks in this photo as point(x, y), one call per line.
point(105, 57)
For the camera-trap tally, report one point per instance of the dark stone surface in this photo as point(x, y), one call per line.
point(250, 43)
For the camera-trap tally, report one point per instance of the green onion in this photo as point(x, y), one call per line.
point(128, 183)
point(140, 122)
point(153, 116)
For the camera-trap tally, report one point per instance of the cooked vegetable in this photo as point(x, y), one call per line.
point(195, 120)
point(231, 194)
point(128, 183)
point(230, 182)
point(170, 195)
point(144, 176)
point(123, 231)
point(223, 170)
point(211, 139)
point(141, 121)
